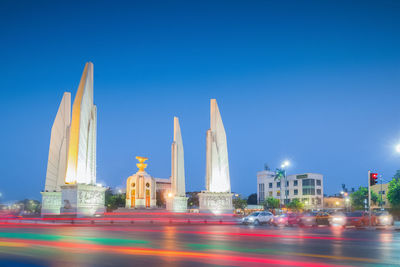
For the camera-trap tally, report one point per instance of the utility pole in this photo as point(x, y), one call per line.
point(369, 198)
point(381, 193)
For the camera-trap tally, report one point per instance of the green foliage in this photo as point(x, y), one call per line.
point(271, 203)
point(279, 174)
point(193, 199)
point(394, 192)
point(397, 175)
point(295, 204)
point(29, 205)
point(252, 199)
point(114, 201)
point(239, 203)
point(358, 197)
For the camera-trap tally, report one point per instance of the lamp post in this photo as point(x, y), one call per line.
point(285, 164)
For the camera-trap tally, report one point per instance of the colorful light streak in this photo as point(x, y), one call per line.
point(195, 256)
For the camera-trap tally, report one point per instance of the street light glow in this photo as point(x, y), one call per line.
point(285, 164)
point(398, 148)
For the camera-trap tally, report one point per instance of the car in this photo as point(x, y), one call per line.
point(383, 218)
point(288, 219)
point(359, 219)
point(308, 219)
point(337, 219)
point(258, 217)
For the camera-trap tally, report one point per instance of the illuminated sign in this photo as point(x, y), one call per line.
point(301, 176)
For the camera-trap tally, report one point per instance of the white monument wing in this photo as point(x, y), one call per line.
point(217, 173)
point(82, 145)
point(57, 161)
point(178, 165)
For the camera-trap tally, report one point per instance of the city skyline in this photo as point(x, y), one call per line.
point(320, 92)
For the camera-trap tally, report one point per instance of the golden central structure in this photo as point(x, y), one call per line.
point(141, 165)
point(140, 188)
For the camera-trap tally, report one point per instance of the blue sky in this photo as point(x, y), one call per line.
point(315, 82)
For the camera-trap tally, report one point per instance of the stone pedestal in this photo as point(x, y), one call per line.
point(82, 199)
point(140, 204)
point(51, 203)
point(216, 203)
point(177, 204)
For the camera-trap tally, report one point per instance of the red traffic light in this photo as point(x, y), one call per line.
point(373, 178)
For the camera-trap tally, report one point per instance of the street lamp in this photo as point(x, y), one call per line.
point(285, 164)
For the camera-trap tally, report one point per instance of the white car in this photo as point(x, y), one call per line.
point(258, 217)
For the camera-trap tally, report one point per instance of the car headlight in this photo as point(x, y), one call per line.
point(251, 219)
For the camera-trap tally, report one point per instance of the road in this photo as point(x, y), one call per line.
point(194, 245)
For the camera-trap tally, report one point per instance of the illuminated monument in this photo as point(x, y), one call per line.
point(176, 199)
point(71, 169)
point(140, 188)
point(217, 198)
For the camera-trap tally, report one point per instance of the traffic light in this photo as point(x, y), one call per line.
point(373, 178)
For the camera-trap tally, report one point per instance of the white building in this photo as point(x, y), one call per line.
point(307, 187)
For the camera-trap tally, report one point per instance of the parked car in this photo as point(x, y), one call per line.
point(288, 219)
point(384, 218)
point(359, 219)
point(258, 217)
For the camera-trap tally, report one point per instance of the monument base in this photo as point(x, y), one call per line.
point(140, 204)
point(82, 199)
point(177, 204)
point(51, 203)
point(216, 203)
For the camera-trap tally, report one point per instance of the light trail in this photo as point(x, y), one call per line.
point(195, 256)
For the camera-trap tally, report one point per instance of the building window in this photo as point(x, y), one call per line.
point(270, 185)
point(308, 182)
point(319, 182)
point(318, 201)
point(287, 192)
point(383, 203)
point(261, 193)
point(381, 192)
point(295, 183)
point(318, 191)
point(308, 191)
point(286, 201)
point(278, 193)
point(270, 193)
point(278, 184)
point(295, 192)
point(287, 183)
point(313, 201)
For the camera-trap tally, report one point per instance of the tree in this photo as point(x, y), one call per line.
point(114, 201)
point(295, 204)
point(394, 192)
point(271, 203)
point(397, 175)
point(239, 203)
point(29, 205)
point(358, 197)
point(279, 174)
point(252, 199)
point(193, 199)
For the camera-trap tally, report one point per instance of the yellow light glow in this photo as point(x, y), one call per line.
point(70, 177)
point(141, 165)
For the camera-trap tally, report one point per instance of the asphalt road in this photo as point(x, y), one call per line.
point(195, 245)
